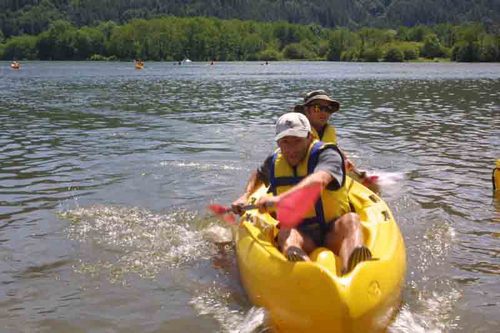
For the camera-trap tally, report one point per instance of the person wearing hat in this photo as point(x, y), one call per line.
point(302, 161)
point(318, 107)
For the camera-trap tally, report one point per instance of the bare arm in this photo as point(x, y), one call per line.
point(254, 182)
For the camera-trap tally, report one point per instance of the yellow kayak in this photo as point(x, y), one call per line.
point(314, 296)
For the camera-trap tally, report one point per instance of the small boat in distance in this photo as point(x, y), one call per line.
point(186, 61)
point(15, 65)
point(139, 64)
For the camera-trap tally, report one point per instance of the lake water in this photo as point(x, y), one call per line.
point(105, 173)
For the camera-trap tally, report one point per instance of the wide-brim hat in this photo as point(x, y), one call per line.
point(315, 96)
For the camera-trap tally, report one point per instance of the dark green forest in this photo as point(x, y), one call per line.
point(31, 17)
point(348, 30)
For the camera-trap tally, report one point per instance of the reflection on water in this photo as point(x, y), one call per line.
point(105, 173)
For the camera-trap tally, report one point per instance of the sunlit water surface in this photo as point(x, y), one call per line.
point(105, 173)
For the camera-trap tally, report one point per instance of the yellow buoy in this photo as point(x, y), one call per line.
point(496, 176)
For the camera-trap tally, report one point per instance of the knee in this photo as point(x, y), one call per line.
point(348, 223)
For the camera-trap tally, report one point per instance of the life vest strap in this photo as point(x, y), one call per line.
point(285, 181)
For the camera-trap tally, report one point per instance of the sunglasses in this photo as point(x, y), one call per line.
point(321, 108)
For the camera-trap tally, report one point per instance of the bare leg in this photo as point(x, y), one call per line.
point(289, 239)
point(345, 237)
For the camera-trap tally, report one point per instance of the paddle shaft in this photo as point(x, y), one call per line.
point(250, 207)
point(357, 172)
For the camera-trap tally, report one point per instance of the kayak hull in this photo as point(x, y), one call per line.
point(314, 296)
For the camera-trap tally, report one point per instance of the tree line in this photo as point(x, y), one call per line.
point(204, 39)
point(31, 17)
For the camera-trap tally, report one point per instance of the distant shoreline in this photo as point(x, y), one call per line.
point(210, 39)
point(430, 61)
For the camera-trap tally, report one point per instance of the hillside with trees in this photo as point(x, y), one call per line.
point(31, 17)
point(335, 30)
point(204, 39)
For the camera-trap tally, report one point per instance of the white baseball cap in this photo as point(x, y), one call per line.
point(292, 124)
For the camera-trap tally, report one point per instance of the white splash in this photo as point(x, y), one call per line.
point(136, 240)
point(201, 165)
point(387, 178)
point(432, 315)
point(214, 302)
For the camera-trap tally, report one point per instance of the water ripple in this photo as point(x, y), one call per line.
point(94, 139)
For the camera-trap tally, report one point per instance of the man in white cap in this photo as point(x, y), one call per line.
point(300, 162)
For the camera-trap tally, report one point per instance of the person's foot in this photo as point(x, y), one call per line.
point(359, 254)
point(295, 253)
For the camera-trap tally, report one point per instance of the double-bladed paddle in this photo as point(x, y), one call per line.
point(291, 209)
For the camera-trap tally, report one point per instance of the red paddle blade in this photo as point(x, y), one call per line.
point(229, 218)
point(222, 212)
point(293, 207)
point(218, 209)
point(370, 180)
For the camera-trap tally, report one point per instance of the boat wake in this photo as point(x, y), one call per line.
point(387, 178)
point(136, 240)
point(215, 302)
point(118, 243)
point(205, 166)
point(432, 315)
point(431, 301)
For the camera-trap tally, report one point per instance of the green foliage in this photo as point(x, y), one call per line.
point(252, 44)
point(446, 34)
point(107, 28)
point(469, 32)
point(371, 37)
point(63, 41)
point(297, 51)
point(204, 39)
point(410, 54)
point(371, 54)
point(490, 50)
point(269, 55)
point(350, 55)
point(33, 16)
point(323, 49)
point(36, 19)
point(411, 50)
point(394, 54)
point(417, 33)
point(341, 40)
point(57, 42)
point(98, 57)
point(20, 47)
point(432, 47)
point(465, 51)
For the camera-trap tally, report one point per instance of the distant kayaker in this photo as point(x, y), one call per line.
point(15, 65)
point(302, 161)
